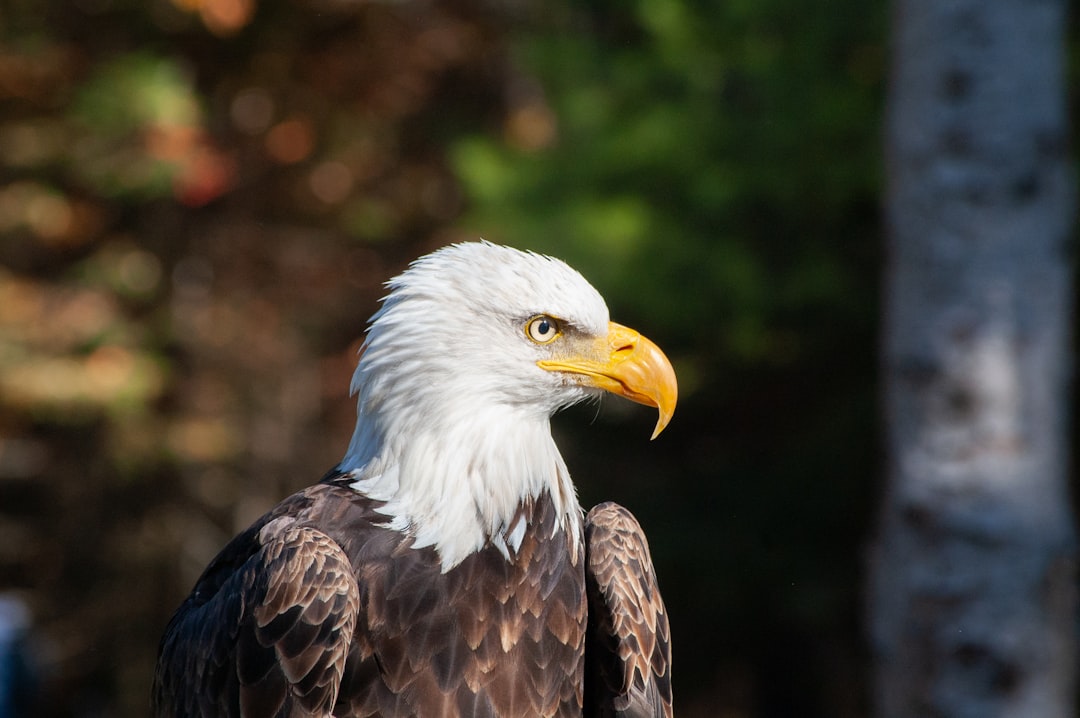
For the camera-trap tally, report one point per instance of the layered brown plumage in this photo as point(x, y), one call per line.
point(317, 606)
point(629, 640)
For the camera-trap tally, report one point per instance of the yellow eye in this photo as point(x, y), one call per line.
point(542, 329)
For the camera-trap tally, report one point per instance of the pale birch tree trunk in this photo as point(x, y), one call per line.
point(971, 604)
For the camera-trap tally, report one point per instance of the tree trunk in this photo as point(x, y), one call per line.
point(972, 597)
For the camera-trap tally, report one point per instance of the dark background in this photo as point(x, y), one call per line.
point(200, 199)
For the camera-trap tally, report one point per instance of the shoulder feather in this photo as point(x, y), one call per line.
point(628, 645)
point(266, 634)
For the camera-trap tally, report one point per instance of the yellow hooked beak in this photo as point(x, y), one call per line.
point(627, 364)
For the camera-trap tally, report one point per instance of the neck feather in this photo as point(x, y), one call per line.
point(457, 481)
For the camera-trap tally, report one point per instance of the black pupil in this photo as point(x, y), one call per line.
point(543, 327)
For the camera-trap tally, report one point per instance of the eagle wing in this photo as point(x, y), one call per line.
point(265, 632)
point(628, 644)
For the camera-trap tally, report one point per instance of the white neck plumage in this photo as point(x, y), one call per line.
point(457, 482)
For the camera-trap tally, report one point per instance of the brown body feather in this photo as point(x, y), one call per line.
point(629, 640)
point(319, 610)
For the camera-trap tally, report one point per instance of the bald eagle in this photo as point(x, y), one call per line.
point(444, 567)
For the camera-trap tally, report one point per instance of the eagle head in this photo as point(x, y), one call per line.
point(473, 350)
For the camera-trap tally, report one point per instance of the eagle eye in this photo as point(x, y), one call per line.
point(542, 329)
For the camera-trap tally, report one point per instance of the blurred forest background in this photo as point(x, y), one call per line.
point(200, 199)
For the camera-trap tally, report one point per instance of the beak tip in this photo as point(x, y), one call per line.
point(661, 423)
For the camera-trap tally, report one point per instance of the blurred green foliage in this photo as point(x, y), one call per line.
point(730, 152)
point(136, 95)
point(199, 200)
point(715, 170)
